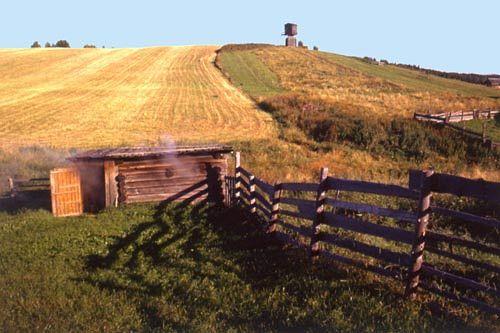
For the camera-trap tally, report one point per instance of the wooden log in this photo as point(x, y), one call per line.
point(369, 187)
point(263, 209)
point(275, 211)
point(300, 187)
point(265, 187)
point(246, 173)
point(194, 195)
point(461, 281)
point(486, 221)
point(251, 182)
point(299, 202)
point(244, 185)
point(367, 228)
point(263, 200)
point(459, 186)
point(378, 253)
point(163, 190)
point(237, 176)
point(12, 189)
point(171, 171)
point(110, 184)
point(418, 247)
point(462, 299)
point(375, 210)
point(165, 182)
point(434, 238)
point(465, 260)
point(314, 247)
point(167, 162)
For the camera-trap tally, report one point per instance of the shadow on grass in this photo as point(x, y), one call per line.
point(203, 243)
point(27, 200)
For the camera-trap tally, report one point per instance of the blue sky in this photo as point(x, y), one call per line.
point(455, 35)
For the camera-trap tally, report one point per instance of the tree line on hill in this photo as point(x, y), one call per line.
point(61, 43)
point(466, 77)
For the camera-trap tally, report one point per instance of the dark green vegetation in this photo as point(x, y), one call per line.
point(403, 139)
point(174, 269)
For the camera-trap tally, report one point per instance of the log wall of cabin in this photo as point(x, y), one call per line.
point(181, 178)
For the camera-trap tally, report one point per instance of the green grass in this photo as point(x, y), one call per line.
point(249, 73)
point(147, 267)
point(412, 79)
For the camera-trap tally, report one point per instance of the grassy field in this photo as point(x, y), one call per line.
point(355, 86)
point(102, 97)
point(339, 111)
point(142, 268)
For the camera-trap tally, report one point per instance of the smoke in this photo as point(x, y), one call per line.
point(179, 168)
point(29, 162)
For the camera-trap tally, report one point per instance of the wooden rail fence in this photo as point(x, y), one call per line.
point(17, 185)
point(448, 118)
point(279, 205)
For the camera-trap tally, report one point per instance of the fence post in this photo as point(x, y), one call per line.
point(320, 208)
point(484, 133)
point(237, 177)
point(275, 208)
point(251, 183)
point(417, 252)
point(12, 189)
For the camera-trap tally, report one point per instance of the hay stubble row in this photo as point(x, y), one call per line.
point(104, 97)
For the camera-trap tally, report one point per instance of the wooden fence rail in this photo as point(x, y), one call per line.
point(17, 185)
point(448, 118)
point(278, 206)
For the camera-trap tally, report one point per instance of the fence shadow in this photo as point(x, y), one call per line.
point(39, 199)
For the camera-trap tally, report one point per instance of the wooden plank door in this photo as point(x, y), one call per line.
point(66, 192)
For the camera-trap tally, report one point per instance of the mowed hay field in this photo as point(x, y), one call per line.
point(105, 97)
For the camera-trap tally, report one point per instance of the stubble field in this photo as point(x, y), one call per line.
point(104, 97)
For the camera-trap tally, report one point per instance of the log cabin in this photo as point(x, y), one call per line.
point(493, 82)
point(109, 177)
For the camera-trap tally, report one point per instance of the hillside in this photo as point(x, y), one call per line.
point(355, 116)
point(102, 97)
point(349, 83)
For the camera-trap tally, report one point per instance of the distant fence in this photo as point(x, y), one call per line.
point(277, 204)
point(17, 185)
point(448, 118)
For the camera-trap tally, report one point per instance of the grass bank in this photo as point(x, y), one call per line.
point(147, 267)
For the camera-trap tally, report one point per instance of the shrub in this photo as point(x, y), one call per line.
point(48, 44)
point(62, 43)
point(400, 137)
point(35, 45)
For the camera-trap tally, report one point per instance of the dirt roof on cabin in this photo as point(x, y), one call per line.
point(144, 152)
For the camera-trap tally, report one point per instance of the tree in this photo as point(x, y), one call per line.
point(35, 45)
point(89, 46)
point(301, 43)
point(47, 44)
point(62, 43)
point(316, 48)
